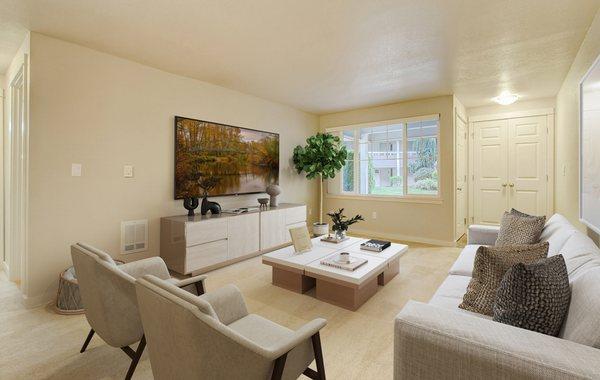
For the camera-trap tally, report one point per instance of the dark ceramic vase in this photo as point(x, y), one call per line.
point(190, 204)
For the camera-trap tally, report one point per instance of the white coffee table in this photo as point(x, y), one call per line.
point(348, 289)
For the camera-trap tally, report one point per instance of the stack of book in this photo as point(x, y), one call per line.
point(375, 245)
point(351, 266)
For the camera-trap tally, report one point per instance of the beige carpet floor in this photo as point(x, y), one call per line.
point(39, 344)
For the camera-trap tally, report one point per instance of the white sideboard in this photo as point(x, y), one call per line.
point(201, 243)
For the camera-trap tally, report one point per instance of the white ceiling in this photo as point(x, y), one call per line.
point(327, 55)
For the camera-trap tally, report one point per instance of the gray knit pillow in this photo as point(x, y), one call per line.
point(491, 263)
point(519, 228)
point(535, 296)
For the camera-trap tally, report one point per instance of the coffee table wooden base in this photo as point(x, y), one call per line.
point(393, 268)
point(348, 296)
point(292, 280)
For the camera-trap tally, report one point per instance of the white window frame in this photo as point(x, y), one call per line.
point(355, 193)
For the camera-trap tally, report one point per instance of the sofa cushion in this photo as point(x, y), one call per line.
point(534, 296)
point(580, 254)
point(491, 263)
point(582, 324)
point(556, 232)
point(519, 228)
point(463, 266)
point(450, 294)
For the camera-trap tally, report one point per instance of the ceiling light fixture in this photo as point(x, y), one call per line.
point(506, 98)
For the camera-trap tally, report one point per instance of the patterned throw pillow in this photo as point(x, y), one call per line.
point(491, 263)
point(519, 228)
point(535, 296)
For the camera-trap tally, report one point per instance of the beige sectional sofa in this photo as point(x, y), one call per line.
point(439, 340)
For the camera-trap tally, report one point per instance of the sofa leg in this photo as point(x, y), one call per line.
point(316, 342)
point(87, 340)
point(278, 367)
point(135, 357)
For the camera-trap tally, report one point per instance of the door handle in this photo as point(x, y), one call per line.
point(512, 185)
point(459, 188)
point(504, 185)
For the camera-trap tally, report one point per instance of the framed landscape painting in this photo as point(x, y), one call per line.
point(239, 160)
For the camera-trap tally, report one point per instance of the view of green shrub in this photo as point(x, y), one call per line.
point(426, 184)
point(423, 173)
point(396, 180)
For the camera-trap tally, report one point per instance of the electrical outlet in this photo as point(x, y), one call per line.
point(374, 215)
point(75, 170)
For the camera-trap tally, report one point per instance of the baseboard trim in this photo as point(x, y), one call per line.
point(35, 301)
point(406, 238)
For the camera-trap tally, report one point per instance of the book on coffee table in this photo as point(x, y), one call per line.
point(375, 245)
point(351, 266)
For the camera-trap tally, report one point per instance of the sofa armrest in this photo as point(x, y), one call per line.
point(152, 265)
point(228, 303)
point(431, 342)
point(483, 235)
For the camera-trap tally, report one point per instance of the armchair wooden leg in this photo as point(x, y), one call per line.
point(200, 287)
point(135, 356)
point(278, 367)
point(87, 340)
point(316, 342)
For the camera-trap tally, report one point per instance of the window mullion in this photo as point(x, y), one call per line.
point(404, 160)
point(356, 184)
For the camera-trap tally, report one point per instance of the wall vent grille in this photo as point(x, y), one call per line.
point(134, 236)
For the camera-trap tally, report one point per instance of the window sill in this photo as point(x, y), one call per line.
point(388, 198)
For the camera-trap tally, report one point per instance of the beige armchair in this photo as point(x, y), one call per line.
point(214, 337)
point(108, 295)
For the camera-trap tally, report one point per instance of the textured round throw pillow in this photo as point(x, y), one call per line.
point(534, 296)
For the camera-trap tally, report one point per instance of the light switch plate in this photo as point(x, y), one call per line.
point(128, 171)
point(75, 170)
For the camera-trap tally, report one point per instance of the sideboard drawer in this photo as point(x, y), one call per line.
point(205, 231)
point(295, 215)
point(204, 255)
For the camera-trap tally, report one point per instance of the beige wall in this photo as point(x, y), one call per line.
point(424, 222)
point(104, 112)
point(567, 128)
point(520, 105)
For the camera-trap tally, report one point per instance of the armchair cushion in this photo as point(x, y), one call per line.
point(154, 266)
point(227, 302)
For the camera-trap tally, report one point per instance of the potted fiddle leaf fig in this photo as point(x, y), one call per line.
point(323, 156)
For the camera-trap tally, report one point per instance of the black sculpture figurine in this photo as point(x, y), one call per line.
point(207, 185)
point(190, 204)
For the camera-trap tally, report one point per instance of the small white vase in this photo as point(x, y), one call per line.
point(320, 229)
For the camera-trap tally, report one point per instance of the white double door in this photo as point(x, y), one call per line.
point(510, 168)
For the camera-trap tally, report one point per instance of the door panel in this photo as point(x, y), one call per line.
point(490, 170)
point(527, 168)
point(461, 177)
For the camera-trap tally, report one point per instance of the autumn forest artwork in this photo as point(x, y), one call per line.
point(239, 160)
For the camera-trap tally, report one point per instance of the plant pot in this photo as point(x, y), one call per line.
point(320, 229)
